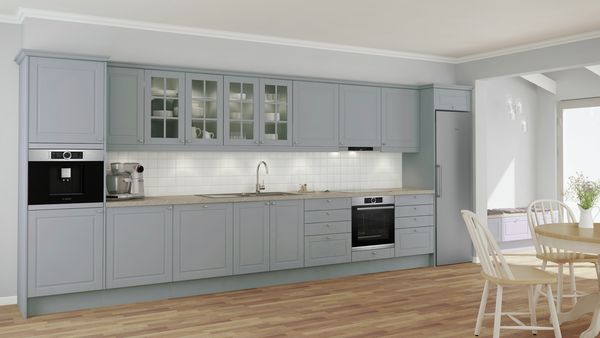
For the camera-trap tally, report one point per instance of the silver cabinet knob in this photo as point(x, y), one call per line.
point(382, 143)
point(328, 201)
point(181, 141)
point(295, 142)
point(374, 253)
point(328, 225)
point(341, 143)
point(328, 213)
point(100, 211)
point(262, 142)
point(266, 203)
point(328, 237)
point(205, 206)
point(140, 140)
point(99, 139)
point(169, 207)
point(255, 142)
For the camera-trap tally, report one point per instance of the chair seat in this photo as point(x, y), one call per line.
point(568, 257)
point(524, 275)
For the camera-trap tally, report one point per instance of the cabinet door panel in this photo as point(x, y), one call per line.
point(327, 249)
point(203, 241)
point(165, 107)
point(287, 234)
point(415, 241)
point(204, 109)
point(241, 108)
point(400, 119)
point(66, 101)
point(250, 237)
point(139, 246)
point(360, 116)
point(125, 106)
point(453, 99)
point(275, 112)
point(316, 114)
point(65, 250)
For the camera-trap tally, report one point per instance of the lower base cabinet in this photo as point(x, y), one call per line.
point(202, 241)
point(65, 251)
point(369, 255)
point(414, 241)
point(139, 244)
point(327, 249)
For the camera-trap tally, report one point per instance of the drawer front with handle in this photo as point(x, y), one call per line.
point(327, 249)
point(414, 210)
point(324, 216)
point(414, 241)
point(327, 203)
point(327, 228)
point(515, 228)
point(368, 255)
point(414, 199)
point(413, 222)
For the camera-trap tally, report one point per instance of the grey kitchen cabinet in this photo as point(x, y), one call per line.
point(204, 109)
point(66, 101)
point(360, 116)
point(414, 241)
point(369, 255)
point(139, 243)
point(453, 99)
point(286, 221)
point(400, 119)
point(242, 102)
point(250, 237)
point(125, 106)
point(164, 107)
point(316, 107)
point(65, 251)
point(202, 241)
point(327, 249)
point(275, 112)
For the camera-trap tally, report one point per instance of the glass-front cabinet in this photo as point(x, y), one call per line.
point(241, 111)
point(165, 111)
point(275, 108)
point(204, 110)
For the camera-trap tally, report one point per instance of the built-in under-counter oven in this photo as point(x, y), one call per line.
point(372, 222)
point(65, 177)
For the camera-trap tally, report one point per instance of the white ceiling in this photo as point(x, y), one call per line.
point(452, 29)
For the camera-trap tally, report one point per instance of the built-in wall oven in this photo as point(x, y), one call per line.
point(65, 177)
point(372, 222)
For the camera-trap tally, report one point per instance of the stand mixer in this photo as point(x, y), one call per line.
point(125, 181)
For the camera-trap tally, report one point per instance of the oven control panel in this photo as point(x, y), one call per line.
point(374, 200)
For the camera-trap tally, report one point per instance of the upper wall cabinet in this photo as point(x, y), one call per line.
point(164, 109)
point(125, 106)
point(453, 99)
point(204, 109)
point(400, 119)
point(360, 116)
point(315, 114)
point(275, 112)
point(241, 111)
point(66, 101)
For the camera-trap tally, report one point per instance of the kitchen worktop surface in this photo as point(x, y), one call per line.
point(193, 199)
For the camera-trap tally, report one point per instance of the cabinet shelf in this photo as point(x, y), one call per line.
point(158, 118)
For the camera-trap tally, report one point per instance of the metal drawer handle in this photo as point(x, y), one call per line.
point(328, 237)
point(205, 206)
point(376, 208)
point(415, 230)
point(329, 225)
point(328, 201)
point(328, 213)
point(374, 253)
point(415, 219)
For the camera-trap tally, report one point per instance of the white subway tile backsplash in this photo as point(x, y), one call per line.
point(185, 173)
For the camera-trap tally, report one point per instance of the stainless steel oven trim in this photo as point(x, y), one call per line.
point(360, 201)
point(43, 155)
point(65, 206)
point(373, 247)
point(375, 208)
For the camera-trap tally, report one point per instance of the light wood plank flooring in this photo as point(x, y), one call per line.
point(429, 302)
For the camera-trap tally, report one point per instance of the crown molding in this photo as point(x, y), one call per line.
point(25, 13)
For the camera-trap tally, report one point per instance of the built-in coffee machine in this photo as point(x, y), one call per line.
point(125, 181)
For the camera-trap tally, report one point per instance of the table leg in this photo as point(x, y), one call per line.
point(586, 304)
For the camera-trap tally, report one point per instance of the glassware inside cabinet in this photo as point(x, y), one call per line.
point(164, 112)
point(241, 111)
point(204, 109)
point(275, 112)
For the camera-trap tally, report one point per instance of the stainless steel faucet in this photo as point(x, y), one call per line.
point(259, 186)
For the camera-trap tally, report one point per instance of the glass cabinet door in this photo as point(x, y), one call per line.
point(275, 104)
point(204, 109)
point(164, 111)
point(241, 111)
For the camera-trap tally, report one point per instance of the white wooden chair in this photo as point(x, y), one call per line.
point(495, 270)
point(547, 211)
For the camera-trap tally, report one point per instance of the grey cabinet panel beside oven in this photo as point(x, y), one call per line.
point(412, 222)
point(320, 216)
point(327, 249)
point(414, 241)
point(327, 204)
point(414, 199)
point(414, 210)
point(369, 255)
point(327, 228)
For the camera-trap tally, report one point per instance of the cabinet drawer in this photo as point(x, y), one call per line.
point(327, 204)
point(414, 199)
point(494, 225)
point(414, 241)
point(368, 255)
point(414, 210)
point(515, 228)
point(327, 249)
point(453, 99)
point(327, 228)
point(412, 222)
point(324, 216)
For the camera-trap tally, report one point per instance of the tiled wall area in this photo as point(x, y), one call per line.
point(184, 173)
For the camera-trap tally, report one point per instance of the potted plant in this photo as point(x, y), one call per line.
point(586, 193)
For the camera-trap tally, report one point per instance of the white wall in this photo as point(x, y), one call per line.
point(186, 173)
point(511, 165)
point(10, 37)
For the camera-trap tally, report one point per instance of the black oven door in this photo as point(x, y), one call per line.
point(52, 182)
point(372, 225)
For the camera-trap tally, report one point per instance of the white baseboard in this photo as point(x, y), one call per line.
point(8, 300)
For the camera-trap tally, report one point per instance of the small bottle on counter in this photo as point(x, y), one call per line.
point(303, 188)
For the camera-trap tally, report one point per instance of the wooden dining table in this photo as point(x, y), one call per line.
point(569, 236)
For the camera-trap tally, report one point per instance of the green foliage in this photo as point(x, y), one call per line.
point(583, 190)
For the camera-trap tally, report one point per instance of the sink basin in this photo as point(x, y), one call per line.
point(248, 194)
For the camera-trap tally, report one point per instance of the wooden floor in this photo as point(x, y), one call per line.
point(429, 302)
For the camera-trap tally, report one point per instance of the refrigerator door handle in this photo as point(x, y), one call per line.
point(438, 181)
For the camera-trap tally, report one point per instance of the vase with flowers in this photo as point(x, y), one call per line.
point(586, 193)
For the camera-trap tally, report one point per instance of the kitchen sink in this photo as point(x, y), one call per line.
point(248, 194)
